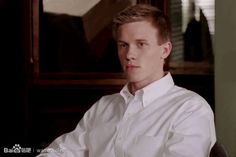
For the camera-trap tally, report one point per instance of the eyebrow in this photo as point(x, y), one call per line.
point(120, 41)
point(142, 40)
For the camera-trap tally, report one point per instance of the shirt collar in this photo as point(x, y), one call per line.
point(126, 94)
point(150, 92)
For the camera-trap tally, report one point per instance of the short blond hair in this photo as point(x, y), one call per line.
point(142, 12)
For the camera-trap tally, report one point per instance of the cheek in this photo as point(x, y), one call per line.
point(153, 56)
point(153, 61)
point(121, 57)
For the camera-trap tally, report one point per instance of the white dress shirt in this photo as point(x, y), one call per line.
point(160, 120)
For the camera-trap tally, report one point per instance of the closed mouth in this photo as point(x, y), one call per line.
point(132, 66)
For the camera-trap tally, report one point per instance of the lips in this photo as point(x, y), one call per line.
point(130, 66)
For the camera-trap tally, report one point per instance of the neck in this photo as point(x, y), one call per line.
point(134, 86)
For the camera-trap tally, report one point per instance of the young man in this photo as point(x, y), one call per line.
point(150, 117)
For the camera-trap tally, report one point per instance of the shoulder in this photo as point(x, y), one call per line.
point(107, 101)
point(186, 94)
point(190, 100)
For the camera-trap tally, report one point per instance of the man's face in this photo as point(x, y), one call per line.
point(141, 55)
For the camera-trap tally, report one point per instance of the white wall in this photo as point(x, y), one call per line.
point(71, 7)
point(225, 74)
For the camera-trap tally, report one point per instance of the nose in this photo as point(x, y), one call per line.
point(130, 55)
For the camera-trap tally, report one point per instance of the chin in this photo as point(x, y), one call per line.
point(133, 79)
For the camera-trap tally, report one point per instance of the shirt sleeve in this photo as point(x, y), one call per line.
point(72, 144)
point(193, 131)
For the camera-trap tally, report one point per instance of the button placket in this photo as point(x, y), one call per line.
point(134, 106)
point(119, 141)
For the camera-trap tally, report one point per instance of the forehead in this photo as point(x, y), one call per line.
point(137, 30)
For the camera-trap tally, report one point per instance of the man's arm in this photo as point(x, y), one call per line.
point(72, 144)
point(193, 131)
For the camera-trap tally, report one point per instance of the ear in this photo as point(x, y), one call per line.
point(167, 47)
